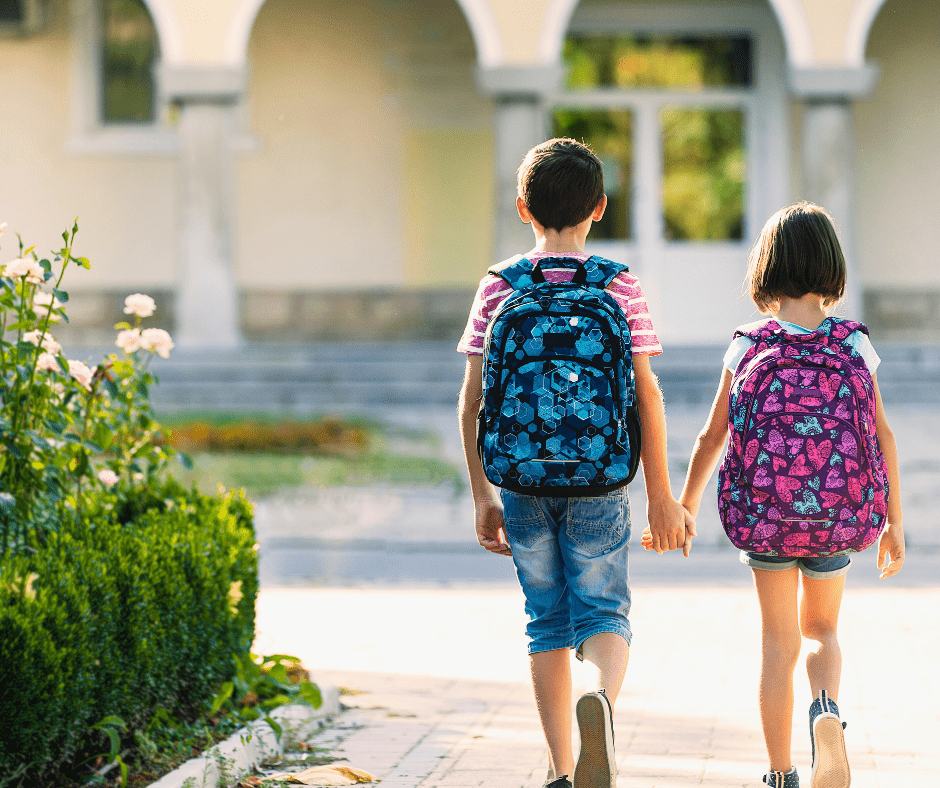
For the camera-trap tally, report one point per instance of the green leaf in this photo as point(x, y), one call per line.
point(278, 731)
point(93, 447)
point(310, 693)
point(143, 390)
point(104, 436)
point(83, 262)
point(185, 460)
point(123, 326)
point(224, 694)
point(249, 713)
point(7, 502)
point(61, 313)
point(73, 439)
point(277, 700)
point(63, 364)
point(61, 295)
point(81, 463)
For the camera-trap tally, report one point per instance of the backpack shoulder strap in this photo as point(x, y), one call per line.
point(840, 329)
point(764, 329)
point(516, 271)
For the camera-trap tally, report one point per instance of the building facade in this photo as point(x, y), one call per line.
point(300, 170)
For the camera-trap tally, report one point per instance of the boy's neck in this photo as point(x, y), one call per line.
point(568, 241)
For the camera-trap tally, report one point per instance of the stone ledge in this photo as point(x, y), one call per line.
point(244, 749)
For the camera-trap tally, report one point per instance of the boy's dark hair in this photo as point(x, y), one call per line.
point(797, 253)
point(561, 182)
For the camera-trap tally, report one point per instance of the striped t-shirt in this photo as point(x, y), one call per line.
point(625, 288)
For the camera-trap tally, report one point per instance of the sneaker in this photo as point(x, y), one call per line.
point(780, 780)
point(559, 782)
point(597, 765)
point(830, 763)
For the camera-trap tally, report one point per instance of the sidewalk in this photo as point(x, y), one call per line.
point(447, 702)
point(385, 592)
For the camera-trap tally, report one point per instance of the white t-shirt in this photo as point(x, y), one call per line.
point(857, 339)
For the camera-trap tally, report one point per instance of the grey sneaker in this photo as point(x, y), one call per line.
point(780, 780)
point(830, 762)
point(597, 764)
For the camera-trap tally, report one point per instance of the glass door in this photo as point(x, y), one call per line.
point(675, 119)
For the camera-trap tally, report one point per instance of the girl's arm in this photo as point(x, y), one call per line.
point(891, 541)
point(709, 446)
point(670, 527)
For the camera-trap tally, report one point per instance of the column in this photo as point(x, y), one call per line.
point(519, 94)
point(828, 155)
point(207, 314)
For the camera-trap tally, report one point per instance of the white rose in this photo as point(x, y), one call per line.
point(33, 271)
point(157, 340)
point(108, 477)
point(129, 340)
point(81, 373)
point(139, 304)
point(3, 227)
point(43, 299)
point(47, 362)
point(48, 343)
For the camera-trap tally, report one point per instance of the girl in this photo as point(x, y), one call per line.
point(796, 273)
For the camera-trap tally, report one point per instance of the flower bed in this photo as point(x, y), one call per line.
point(126, 599)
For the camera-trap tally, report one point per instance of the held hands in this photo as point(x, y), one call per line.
point(490, 527)
point(891, 550)
point(671, 527)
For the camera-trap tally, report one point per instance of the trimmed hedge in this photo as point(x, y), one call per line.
point(116, 617)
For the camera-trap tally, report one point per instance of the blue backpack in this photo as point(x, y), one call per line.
point(559, 414)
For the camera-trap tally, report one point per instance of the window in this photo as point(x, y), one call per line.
point(11, 12)
point(630, 62)
point(129, 51)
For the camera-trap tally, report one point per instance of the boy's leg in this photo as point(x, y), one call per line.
point(780, 650)
point(819, 618)
point(609, 653)
point(551, 680)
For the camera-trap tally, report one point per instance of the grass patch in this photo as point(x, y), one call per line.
point(263, 453)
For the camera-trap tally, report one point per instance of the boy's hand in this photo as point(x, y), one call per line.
point(891, 550)
point(671, 526)
point(490, 528)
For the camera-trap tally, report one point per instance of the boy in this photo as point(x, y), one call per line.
point(571, 553)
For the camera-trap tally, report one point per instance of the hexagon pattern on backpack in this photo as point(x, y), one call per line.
point(803, 475)
point(559, 403)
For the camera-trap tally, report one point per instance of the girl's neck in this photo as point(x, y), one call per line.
point(808, 311)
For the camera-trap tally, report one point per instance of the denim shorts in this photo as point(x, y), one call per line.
point(571, 559)
point(815, 568)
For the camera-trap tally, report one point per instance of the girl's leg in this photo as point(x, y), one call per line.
point(551, 680)
point(780, 650)
point(819, 616)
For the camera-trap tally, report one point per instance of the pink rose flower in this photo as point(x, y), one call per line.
point(108, 477)
point(129, 340)
point(139, 304)
point(33, 272)
point(48, 343)
point(81, 373)
point(47, 362)
point(157, 340)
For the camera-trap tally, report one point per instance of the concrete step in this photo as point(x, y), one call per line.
point(323, 376)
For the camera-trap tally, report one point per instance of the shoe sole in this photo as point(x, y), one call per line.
point(596, 768)
point(831, 766)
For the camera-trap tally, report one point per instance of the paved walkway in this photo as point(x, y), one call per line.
point(386, 593)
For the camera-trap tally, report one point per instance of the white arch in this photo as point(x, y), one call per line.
point(791, 15)
point(861, 18)
point(478, 13)
point(168, 31)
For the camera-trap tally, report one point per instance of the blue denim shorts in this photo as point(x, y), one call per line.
point(571, 559)
point(815, 568)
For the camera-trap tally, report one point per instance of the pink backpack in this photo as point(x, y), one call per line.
point(803, 475)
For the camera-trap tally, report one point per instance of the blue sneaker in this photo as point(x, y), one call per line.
point(780, 780)
point(597, 765)
point(830, 762)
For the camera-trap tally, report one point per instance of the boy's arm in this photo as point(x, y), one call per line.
point(668, 521)
point(488, 514)
point(709, 445)
point(891, 541)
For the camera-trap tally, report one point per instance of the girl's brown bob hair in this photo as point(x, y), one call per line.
point(797, 253)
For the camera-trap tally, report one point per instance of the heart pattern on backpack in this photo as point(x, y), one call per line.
point(805, 403)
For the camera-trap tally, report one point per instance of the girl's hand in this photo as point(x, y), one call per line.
point(646, 540)
point(891, 549)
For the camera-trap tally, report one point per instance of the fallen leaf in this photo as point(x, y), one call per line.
point(327, 775)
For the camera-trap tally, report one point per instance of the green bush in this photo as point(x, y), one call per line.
point(121, 617)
